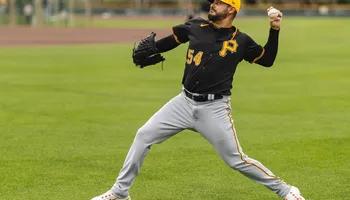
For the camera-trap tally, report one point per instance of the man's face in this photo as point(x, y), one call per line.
point(218, 11)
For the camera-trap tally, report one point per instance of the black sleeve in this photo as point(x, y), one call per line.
point(180, 35)
point(266, 55)
point(271, 49)
point(182, 31)
point(166, 44)
point(253, 51)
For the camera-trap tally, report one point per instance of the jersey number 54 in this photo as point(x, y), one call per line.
point(197, 59)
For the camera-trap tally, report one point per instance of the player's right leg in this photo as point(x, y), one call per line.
point(172, 118)
point(215, 123)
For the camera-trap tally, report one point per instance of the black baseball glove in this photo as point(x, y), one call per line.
point(145, 53)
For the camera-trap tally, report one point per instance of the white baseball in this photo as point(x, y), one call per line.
point(273, 13)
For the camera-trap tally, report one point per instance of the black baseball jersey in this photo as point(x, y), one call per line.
point(213, 55)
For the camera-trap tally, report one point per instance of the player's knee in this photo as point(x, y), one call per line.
point(143, 135)
point(235, 162)
point(237, 165)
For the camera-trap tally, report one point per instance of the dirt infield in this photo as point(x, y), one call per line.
point(29, 36)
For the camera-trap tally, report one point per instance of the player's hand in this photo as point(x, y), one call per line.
point(275, 23)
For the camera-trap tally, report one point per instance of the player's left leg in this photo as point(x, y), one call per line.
point(216, 125)
point(172, 118)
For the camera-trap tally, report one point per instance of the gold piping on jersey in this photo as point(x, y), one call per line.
point(214, 24)
point(175, 37)
point(237, 145)
point(234, 33)
point(261, 55)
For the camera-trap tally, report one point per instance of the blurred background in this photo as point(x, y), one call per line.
point(71, 101)
point(82, 12)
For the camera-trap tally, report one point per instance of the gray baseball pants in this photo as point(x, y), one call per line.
point(213, 120)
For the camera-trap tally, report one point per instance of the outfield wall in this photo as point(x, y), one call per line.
point(339, 12)
point(64, 15)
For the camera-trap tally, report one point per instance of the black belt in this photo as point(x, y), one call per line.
point(203, 97)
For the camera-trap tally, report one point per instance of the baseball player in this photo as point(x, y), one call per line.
point(203, 105)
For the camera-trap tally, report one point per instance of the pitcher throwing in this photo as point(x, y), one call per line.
point(203, 105)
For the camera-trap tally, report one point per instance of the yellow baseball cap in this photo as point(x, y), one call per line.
point(234, 3)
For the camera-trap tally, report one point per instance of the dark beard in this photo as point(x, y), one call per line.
point(217, 17)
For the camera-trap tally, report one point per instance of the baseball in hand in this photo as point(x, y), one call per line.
point(273, 13)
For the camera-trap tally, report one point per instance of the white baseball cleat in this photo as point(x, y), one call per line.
point(294, 194)
point(109, 195)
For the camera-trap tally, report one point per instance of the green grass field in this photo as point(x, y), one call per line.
point(69, 114)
